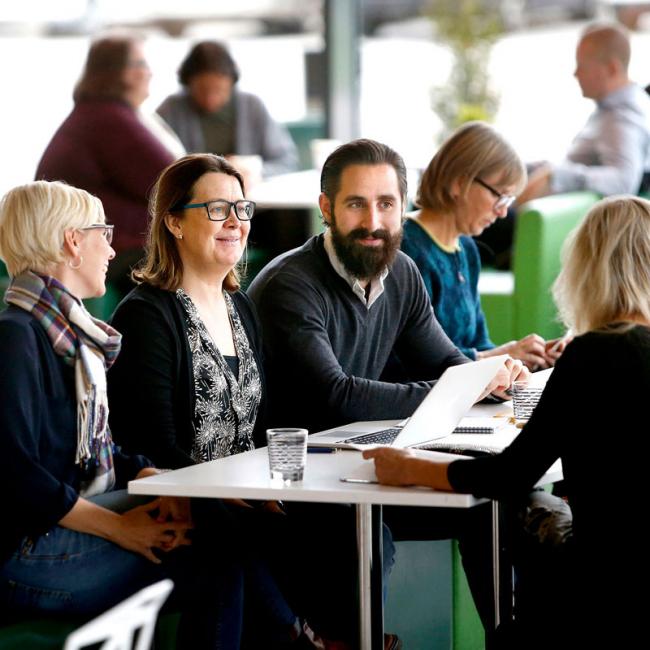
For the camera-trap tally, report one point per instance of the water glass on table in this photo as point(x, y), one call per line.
point(287, 449)
point(524, 399)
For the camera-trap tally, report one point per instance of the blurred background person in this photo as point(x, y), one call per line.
point(469, 184)
point(210, 114)
point(106, 147)
point(611, 153)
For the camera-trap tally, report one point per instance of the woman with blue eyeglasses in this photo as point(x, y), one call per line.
point(191, 351)
point(188, 386)
point(470, 183)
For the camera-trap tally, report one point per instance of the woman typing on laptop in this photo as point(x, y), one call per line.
point(603, 293)
point(470, 183)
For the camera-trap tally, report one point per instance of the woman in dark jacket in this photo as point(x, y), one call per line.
point(189, 384)
point(73, 541)
point(191, 351)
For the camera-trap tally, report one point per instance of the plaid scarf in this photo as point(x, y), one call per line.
point(90, 346)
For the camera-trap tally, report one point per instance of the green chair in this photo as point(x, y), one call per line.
point(519, 303)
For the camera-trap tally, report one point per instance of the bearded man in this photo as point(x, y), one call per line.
point(335, 314)
point(336, 310)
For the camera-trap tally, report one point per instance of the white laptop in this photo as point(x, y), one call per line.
point(441, 410)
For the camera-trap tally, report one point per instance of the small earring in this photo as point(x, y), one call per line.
point(180, 235)
point(81, 261)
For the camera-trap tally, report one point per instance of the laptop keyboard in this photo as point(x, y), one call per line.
point(383, 437)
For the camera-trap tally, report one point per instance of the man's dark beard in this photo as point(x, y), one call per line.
point(365, 262)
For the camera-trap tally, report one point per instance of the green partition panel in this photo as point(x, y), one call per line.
point(429, 602)
point(468, 632)
point(541, 229)
point(418, 608)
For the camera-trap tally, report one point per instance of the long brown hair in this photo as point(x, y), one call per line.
point(162, 266)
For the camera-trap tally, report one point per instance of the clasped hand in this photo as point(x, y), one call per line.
point(161, 524)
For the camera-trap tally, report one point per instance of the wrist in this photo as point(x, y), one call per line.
point(433, 474)
point(148, 471)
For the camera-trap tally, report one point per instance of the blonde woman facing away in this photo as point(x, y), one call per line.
point(470, 182)
point(591, 416)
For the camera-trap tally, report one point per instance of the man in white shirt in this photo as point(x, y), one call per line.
point(612, 151)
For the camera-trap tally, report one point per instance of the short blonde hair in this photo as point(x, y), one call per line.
point(34, 218)
point(474, 150)
point(605, 275)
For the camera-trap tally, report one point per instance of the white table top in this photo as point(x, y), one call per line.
point(246, 476)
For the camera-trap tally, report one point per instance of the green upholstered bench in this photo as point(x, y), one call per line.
point(51, 633)
point(520, 302)
point(39, 634)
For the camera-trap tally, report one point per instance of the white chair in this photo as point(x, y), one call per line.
point(117, 626)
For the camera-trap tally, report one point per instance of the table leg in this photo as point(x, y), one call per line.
point(377, 578)
point(496, 562)
point(502, 569)
point(370, 637)
point(364, 546)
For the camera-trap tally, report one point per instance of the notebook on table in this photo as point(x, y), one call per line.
point(485, 425)
point(447, 402)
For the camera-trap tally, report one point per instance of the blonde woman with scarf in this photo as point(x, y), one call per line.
point(61, 550)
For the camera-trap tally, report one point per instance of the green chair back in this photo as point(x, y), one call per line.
point(542, 227)
point(4, 283)
point(303, 132)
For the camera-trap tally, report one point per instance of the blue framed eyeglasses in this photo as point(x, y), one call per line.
point(219, 209)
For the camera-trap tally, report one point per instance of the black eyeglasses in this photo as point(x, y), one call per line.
point(503, 200)
point(107, 228)
point(219, 209)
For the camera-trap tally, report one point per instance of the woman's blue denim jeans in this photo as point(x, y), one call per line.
point(67, 572)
